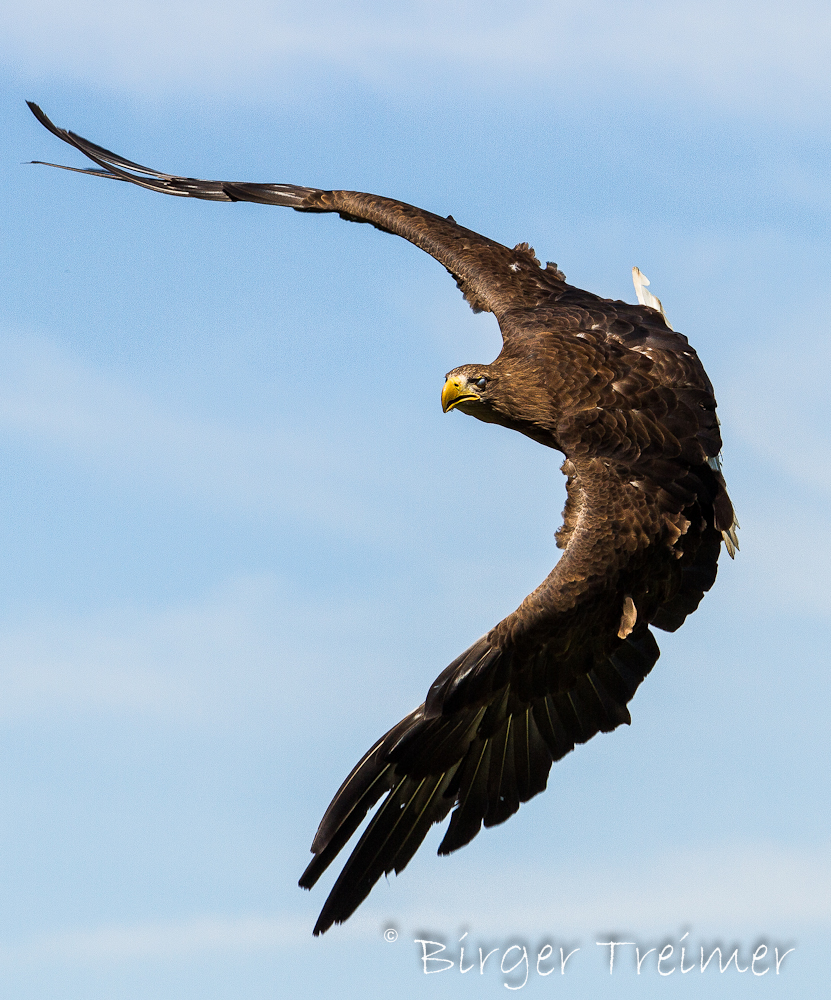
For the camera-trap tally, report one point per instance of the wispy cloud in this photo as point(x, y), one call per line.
point(727, 885)
point(760, 888)
point(764, 56)
point(775, 409)
point(162, 939)
point(241, 648)
point(784, 559)
point(780, 407)
point(57, 404)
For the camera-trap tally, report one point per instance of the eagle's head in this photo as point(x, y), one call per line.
point(511, 392)
point(473, 390)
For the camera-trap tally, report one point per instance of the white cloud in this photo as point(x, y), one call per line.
point(775, 411)
point(163, 939)
point(783, 563)
point(761, 55)
point(779, 406)
point(239, 649)
point(55, 403)
point(764, 886)
point(761, 889)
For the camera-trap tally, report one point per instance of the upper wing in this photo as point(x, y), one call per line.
point(492, 277)
point(554, 673)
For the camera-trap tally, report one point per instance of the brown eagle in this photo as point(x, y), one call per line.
point(627, 401)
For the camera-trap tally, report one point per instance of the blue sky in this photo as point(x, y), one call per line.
point(232, 513)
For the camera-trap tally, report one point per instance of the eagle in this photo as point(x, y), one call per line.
point(626, 400)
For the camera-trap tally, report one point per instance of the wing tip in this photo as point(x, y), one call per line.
point(43, 118)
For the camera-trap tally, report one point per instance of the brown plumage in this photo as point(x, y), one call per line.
point(628, 403)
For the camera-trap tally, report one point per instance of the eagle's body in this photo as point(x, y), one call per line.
point(628, 403)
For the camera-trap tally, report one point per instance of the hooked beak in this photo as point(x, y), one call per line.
point(455, 391)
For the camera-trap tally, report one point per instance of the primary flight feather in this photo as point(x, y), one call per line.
point(626, 400)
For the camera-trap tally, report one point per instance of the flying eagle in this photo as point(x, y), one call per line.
point(626, 400)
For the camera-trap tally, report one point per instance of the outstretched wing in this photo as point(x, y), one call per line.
point(492, 277)
point(557, 671)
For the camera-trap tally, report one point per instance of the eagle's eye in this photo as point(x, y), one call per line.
point(480, 383)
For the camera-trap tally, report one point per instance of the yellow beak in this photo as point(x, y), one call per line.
point(455, 391)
